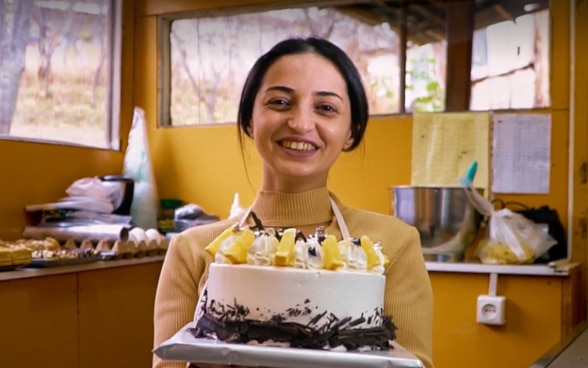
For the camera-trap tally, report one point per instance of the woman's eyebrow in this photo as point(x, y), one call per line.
point(291, 91)
point(280, 89)
point(327, 93)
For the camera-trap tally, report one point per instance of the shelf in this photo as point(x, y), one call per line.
point(560, 268)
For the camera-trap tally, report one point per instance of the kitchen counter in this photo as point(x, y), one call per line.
point(559, 268)
point(23, 273)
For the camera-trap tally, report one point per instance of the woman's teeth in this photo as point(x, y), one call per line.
point(298, 146)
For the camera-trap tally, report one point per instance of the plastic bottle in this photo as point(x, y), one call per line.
point(137, 165)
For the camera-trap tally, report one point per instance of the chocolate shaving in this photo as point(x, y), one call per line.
point(356, 322)
point(232, 326)
point(257, 221)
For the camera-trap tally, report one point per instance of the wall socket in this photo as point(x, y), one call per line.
point(491, 310)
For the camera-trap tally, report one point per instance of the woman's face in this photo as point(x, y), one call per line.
point(301, 122)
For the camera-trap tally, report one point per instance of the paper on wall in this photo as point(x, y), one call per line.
point(445, 144)
point(521, 156)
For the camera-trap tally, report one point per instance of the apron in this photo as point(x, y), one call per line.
point(338, 217)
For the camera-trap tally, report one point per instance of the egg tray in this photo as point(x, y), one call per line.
point(57, 262)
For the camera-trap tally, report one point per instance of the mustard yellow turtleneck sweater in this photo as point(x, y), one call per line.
point(408, 297)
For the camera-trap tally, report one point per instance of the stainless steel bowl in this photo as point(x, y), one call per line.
point(446, 221)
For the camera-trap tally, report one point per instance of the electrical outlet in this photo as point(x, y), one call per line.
point(491, 310)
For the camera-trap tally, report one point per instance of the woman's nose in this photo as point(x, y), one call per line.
point(301, 120)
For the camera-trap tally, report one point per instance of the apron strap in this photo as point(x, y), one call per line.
point(340, 220)
point(338, 216)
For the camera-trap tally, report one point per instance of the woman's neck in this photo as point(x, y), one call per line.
point(279, 209)
point(292, 184)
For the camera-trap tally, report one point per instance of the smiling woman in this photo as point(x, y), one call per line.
point(59, 71)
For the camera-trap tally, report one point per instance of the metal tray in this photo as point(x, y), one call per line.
point(12, 267)
point(55, 262)
point(105, 256)
point(183, 346)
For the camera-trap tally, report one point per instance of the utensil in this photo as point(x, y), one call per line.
point(445, 219)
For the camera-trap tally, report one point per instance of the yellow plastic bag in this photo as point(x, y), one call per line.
point(512, 238)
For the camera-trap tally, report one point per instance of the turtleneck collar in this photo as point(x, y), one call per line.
point(277, 209)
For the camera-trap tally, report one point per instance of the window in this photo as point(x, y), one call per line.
point(511, 68)
point(400, 48)
point(209, 58)
point(59, 71)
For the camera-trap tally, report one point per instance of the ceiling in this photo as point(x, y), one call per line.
point(426, 19)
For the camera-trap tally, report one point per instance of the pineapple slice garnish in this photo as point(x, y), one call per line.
point(373, 259)
point(332, 259)
point(237, 252)
point(285, 252)
point(214, 245)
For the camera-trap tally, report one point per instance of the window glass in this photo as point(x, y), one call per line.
point(57, 77)
point(511, 63)
point(400, 49)
point(210, 57)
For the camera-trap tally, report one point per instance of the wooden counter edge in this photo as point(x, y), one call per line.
point(24, 273)
point(560, 269)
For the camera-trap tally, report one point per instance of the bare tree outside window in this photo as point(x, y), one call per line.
point(207, 56)
point(56, 71)
point(211, 56)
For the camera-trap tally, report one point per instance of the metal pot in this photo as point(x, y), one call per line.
point(445, 219)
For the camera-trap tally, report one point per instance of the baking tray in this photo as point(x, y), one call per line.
point(183, 346)
point(55, 262)
point(12, 267)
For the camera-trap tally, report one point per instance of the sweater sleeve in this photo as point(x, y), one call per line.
point(176, 295)
point(409, 299)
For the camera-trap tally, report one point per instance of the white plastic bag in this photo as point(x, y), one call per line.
point(137, 165)
point(93, 187)
point(512, 238)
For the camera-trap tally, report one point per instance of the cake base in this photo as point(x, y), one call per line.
point(315, 309)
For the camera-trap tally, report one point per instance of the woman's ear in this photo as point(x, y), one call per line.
point(348, 142)
point(249, 130)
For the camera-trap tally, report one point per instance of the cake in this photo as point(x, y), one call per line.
point(279, 288)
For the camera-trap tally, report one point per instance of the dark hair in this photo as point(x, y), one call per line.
point(324, 48)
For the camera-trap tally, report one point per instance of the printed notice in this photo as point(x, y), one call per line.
point(521, 153)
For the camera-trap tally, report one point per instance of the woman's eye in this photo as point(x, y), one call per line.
point(326, 108)
point(279, 102)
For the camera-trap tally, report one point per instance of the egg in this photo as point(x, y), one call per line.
point(153, 235)
point(137, 235)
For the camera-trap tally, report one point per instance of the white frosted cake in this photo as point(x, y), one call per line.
point(284, 289)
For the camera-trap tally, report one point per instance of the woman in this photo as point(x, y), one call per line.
point(303, 103)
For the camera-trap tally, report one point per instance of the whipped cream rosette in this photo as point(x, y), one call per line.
point(290, 248)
